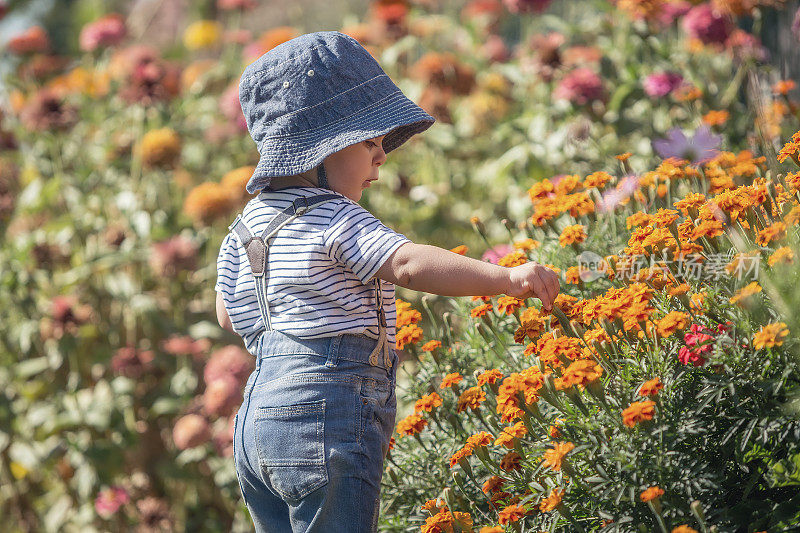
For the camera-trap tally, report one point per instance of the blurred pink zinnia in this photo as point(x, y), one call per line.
point(580, 86)
point(704, 23)
point(229, 362)
point(189, 431)
point(226, 5)
point(662, 83)
point(231, 107)
point(109, 500)
point(33, 39)
point(493, 255)
point(105, 31)
point(526, 6)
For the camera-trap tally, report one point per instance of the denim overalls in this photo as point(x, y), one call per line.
point(313, 430)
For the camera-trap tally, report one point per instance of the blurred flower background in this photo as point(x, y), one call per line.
point(652, 399)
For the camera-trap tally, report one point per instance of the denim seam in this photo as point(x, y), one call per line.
point(311, 132)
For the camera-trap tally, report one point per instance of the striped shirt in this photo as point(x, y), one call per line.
point(318, 272)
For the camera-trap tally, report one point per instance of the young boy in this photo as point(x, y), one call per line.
point(307, 278)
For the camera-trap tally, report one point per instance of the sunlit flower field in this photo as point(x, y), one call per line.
point(647, 151)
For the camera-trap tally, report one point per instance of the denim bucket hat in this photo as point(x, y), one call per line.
point(316, 94)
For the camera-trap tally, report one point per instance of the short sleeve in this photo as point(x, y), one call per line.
point(359, 241)
point(227, 264)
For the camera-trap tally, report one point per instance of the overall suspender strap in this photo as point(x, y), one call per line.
point(257, 247)
point(383, 341)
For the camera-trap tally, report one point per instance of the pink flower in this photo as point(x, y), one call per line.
point(495, 49)
point(526, 6)
point(186, 345)
point(109, 500)
point(745, 46)
point(105, 31)
point(612, 197)
point(231, 107)
point(702, 22)
point(226, 5)
point(173, 255)
point(131, 362)
point(580, 86)
point(670, 11)
point(190, 431)
point(662, 83)
point(699, 344)
point(493, 255)
point(229, 362)
point(222, 397)
point(223, 438)
point(33, 39)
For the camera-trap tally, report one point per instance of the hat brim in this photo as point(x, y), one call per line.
point(396, 117)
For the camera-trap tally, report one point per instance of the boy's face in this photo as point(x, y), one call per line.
point(352, 169)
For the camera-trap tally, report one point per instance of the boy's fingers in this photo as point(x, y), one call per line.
point(539, 288)
point(547, 296)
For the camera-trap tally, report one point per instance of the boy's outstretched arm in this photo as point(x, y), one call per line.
point(426, 268)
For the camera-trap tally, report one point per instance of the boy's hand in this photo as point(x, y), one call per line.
point(532, 280)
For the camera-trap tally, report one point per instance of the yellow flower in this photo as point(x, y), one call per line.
point(202, 34)
point(683, 529)
point(160, 147)
point(235, 181)
point(572, 234)
point(784, 254)
point(770, 335)
point(750, 289)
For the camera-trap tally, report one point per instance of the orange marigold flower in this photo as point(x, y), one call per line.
point(784, 254)
point(493, 484)
point(512, 513)
point(623, 157)
point(552, 501)
point(480, 310)
point(461, 249)
point(471, 398)
point(513, 259)
point(427, 402)
point(716, 118)
point(748, 290)
point(527, 244)
point(509, 433)
point(491, 529)
point(596, 180)
point(463, 453)
point(685, 529)
point(411, 425)
point(572, 234)
point(553, 430)
point(783, 86)
point(207, 201)
point(708, 229)
point(789, 149)
point(771, 233)
point(434, 505)
point(687, 93)
point(678, 290)
point(490, 376)
point(405, 314)
point(508, 304)
point(407, 335)
point(510, 461)
point(672, 321)
point(431, 345)
point(580, 372)
point(770, 335)
point(692, 200)
point(484, 438)
point(638, 412)
point(651, 387)
point(450, 380)
point(651, 494)
point(573, 275)
point(553, 458)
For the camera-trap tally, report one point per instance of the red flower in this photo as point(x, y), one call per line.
point(704, 23)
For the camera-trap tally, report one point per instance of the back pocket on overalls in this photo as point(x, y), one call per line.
point(290, 443)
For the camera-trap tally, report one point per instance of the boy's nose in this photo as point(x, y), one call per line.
point(380, 158)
